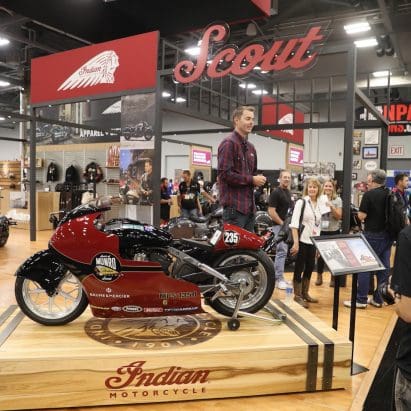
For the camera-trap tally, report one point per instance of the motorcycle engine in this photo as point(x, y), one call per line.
point(158, 256)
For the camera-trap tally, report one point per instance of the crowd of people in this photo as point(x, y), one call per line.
point(317, 213)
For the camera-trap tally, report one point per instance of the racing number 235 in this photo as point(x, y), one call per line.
point(231, 237)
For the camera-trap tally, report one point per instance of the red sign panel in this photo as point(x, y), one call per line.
point(264, 5)
point(125, 64)
point(201, 157)
point(285, 116)
point(296, 156)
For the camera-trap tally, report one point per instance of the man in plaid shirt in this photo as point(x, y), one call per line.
point(237, 171)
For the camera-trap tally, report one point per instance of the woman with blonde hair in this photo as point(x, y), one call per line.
point(305, 222)
point(330, 222)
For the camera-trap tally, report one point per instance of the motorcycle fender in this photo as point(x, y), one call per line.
point(43, 268)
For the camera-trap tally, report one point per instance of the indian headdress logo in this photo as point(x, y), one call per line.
point(98, 70)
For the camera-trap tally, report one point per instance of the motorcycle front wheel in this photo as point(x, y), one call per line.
point(259, 282)
point(66, 304)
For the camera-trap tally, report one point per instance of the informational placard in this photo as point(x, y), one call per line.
point(347, 254)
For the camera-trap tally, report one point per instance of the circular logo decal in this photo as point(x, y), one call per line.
point(107, 267)
point(153, 333)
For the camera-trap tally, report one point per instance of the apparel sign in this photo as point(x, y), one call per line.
point(296, 54)
point(109, 67)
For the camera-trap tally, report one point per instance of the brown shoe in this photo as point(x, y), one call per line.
point(319, 279)
point(297, 294)
point(304, 291)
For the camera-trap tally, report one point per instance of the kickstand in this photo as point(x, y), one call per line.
point(234, 323)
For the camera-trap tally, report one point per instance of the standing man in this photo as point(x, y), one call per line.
point(401, 284)
point(147, 184)
point(188, 197)
point(165, 201)
point(237, 169)
point(279, 205)
point(400, 190)
point(372, 212)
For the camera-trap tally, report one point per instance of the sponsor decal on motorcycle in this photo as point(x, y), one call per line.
point(181, 295)
point(231, 238)
point(154, 333)
point(107, 267)
point(153, 309)
point(132, 309)
point(103, 295)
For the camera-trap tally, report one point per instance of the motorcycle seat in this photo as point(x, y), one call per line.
point(204, 245)
point(199, 219)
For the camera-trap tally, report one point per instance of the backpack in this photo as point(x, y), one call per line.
point(394, 214)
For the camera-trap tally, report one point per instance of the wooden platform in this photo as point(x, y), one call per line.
point(99, 362)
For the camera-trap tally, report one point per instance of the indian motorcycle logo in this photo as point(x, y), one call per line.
point(134, 381)
point(98, 70)
point(154, 333)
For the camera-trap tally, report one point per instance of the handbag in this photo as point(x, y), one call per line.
point(301, 225)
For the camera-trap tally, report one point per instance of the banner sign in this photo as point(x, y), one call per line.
point(285, 116)
point(399, 116)
point(295, 53)
point(200, 157)
point(111, 67)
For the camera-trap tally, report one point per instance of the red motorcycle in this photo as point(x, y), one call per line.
point(124, 268)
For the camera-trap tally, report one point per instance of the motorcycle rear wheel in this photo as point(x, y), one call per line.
point(67, 303)
point(260, 281)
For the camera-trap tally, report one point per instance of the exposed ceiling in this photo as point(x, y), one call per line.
point(41, 27)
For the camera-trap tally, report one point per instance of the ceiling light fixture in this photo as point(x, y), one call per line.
point(165, 94)
point(259, 92)
point(180, 100)
point(382, 73)
point(193, 51)
point(4, 41)
point(358, 27)
point(370, 42)
point(4, 83)
point(249, 86)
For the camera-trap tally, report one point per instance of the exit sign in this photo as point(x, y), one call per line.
point(396, 151)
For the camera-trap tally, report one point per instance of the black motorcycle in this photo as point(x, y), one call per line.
point(142, 129)
point(198, 228)
point(5, 223)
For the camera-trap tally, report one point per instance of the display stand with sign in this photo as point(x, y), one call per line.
point(347, 254)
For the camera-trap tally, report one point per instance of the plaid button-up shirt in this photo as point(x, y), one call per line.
point(237, 164)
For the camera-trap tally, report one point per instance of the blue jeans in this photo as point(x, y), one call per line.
point(232, 216)
point(381, 244)
point(189, 213)
point(280, 256)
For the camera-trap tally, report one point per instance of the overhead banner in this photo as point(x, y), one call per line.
point(105, 68)
point(285, 116)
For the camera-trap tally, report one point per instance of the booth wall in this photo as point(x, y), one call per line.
point(271, 153)
point(10, 150)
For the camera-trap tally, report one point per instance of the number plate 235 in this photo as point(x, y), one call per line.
point(231, 238)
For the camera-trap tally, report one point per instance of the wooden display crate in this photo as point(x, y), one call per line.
point(99, 362)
